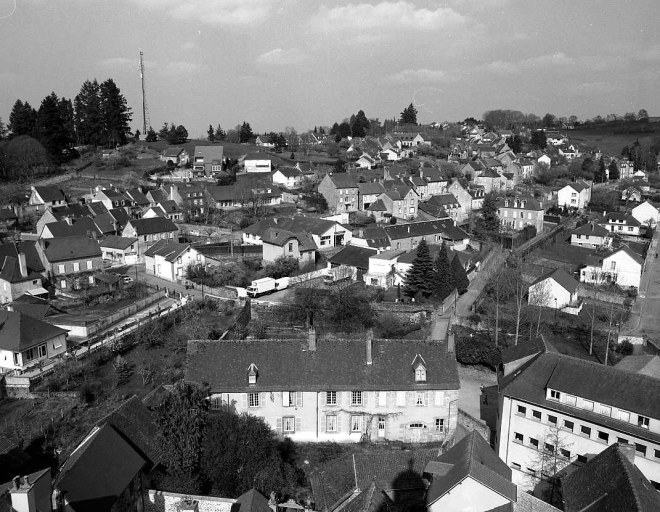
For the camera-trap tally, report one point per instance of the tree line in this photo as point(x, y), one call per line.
point(505, 119)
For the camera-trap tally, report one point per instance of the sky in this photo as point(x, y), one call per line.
point(306, 63)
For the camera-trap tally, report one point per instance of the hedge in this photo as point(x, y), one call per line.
point(473, 351)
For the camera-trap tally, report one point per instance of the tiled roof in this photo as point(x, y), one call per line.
point(279, 237)
point(252, 501)
point(609, 483)
point(209, 153)
point(50, 193)
point(443, 200)
point(117, 242)
point(472, 457)
point(172, 152)
point(626, 218)
point(290, 172)
point(62, 249)
point(166, 249)
point(560, 277)
point(642, 364)
point(353, 256)
point(296, 224)
point(591, 229)
point(286, 365)
point(431, 227)
point(377, 206)
point(369, 188)
point(19, 332)
point(343, 181)
point(152, 225)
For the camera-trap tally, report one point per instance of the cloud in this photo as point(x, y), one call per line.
point(215, 12)
point(415, 76)
point(554, 60)
point(384, 16)
point(183, 68)
point(280, 57)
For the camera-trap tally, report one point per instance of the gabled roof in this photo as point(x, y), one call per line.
point(519, 202)
point(105, 223)
point(172, 152)
point(19, 332)
point(62, 249)
point(296, 224)
point(279, 237)
point(560, 276)
point(166, 249)
point(377, 206)
point(27, 247)
point(10, 271)
point(591, 229)
point(209, 153)
point(257, 156)
point(353, 256)
point(578, 186)
point(50, 193)
point(120, 215)
point(642, 363)
point(84, 226)
point(287, 365)
point(252, 501)
point(609, 482)
point(400, 231)
point(472, 457)
point(522, 350)
point(34, 307)
point(137, 196)
point(97, 208)
point(157, 195)
point(635, 257)
point(152, 225)
point(74, 210)
point(372, 187)
point(290, 172)
point(117, 242)
point(342, 181)
point(626, 218)
point(443, 200)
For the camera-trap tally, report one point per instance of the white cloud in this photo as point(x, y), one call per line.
point(278, 57)
point(554, 60)
point(415, 76)
point(215, 12)
point(384, 16)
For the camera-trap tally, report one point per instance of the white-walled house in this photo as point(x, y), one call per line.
point(591, 236)
point(555, 290)
point(289, 177)
point(325, 233)
point(574, 195)
point(622, 224)
point(342, 391)
point(257, 162)
point(622, 267)
point(170, 260)
point(646, 214)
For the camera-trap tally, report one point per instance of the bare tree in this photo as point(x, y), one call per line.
point(552, 456)
point(517, 287)
point(541, 297)
point(498, 293)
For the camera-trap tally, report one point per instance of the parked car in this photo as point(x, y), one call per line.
point(126, 279)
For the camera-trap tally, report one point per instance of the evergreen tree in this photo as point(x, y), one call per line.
point(137, 134)
point(419, 279)
point(152, 136)
point(409, 115)
point(443, 281)
point(164, 131)
point(50, 127)
point(515, 143)
point(116, 115)
point(461, 281)
point(490, 220)
point(599, 174)
point(538, 139)
point(245, 133)
point(68, 121)
point(88, 120)
point(22, 119)
point(220, 133)
point(210, 134)
point(3, 130)
point(359, 124)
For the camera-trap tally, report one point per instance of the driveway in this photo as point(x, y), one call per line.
point(470, 400)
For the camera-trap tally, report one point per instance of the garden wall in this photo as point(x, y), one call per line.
point(602, 295)
point(471, 423)
point(163, 501)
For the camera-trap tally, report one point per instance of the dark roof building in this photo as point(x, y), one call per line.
point(19, 332)
point(353, 256)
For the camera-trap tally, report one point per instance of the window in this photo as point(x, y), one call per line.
point(419, 399)
point(605, 410)
point(420, 374)
point(253, 400)
point(550, 448)
point(582, 459)
point(356, 397)
point(90, 279)
point(570, 400)
point(63, 283)
point(440, 424)
point(534, 442)
point(584, 430)
point(603, 436)
point(331, 397)
point(515, 465)
point(288, 424)
point(621, 440)
point(555, 395)
point(569, 425)
point(531, 471)
point(331, 423)
point(518, 438)
point(89, 265)
point(552, 419)
point(656, 453)
point(76, 266)
point(588, 405)
point(641, 449)
point(642, 421)
point(536, 415)
point(565, 453)
point(60, 269)
point(624, 416)
point(522, 410)
point(356, 423)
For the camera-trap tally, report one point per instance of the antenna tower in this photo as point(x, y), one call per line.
point(145, 112)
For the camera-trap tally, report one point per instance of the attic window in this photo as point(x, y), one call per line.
point(252, 374)
point(506, 203)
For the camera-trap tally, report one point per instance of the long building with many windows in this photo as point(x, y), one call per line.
point(334, 390)
point(577, 408)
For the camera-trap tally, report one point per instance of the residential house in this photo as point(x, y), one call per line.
point(138, 199)
point(491, 181)
point(176, 156)
point(555, 290)
point(555, 138)
point(389, 155)
point(366, 161)
point(264, 141)
point(437, 181)
point(8, 219)
point(119, 250)
point(473, 169)
point(477, 196)
point(408, 236)
point(622, 266)
point(289, 177)
point(400, 200)
point(83, 226)
point(382, 271)
point(622, 224)
point(463, 194)
point(244, 194)
point(42, 197)
point(257, 162)
point(410, 140)
point(29, 493)
point(191, 197)
point(518, 212)
point(341, 391)
point(420, 186)
point(170, 260)
point(340, 192)
point(354, 258)
point(168, 209)
point(26, 341)
point(574, 195)
point(609, 481)
point(70, 263)
point(449, 204)
point(626, 168)
point(325, 233)
point(110, 198)
point(646, 214)
point(527, 166)
point(280, 243)
point(368, 193)
point(592, 405)
point(17, 279)
point(632, 194)
point(208, 160)
point(149, 231)
point(591, 236)
point(156, 196)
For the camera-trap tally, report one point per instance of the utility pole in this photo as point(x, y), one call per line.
point(144, 97)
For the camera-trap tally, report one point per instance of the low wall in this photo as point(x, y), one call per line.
point(206, 230)
point(601, 295)
point(471, 423)
point(409, 313)
point(163, 501)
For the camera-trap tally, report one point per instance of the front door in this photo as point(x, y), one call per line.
point(381, 426)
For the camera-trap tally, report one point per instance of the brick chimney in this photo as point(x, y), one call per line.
point(28, 496)
point(22, 264)
point(369, 343)
point(311, 339)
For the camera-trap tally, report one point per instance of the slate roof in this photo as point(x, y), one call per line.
point(157, 195)
point(152, 225)
point(166, 249)
point(609, 482)
point(290, 172)
point(530, 203)
point(7, 214)
point(209, 153)
point(577, 186)
point(98, 471)
point(618, 217)
point(19, 332)
point(591, 229)
point(376, 237)
point(472, 457)
point(28, 247)
point(353, 256)
point(137, 196)
point(400, 231)
point(443, 200)
point(435, 211)
point(117, 242)
point(84, 226)
point(10, 271)
point(636, 257)
point(105, 223)
point(642, 364)
point(34, 306)
point(97, 208)
point(63, 249)
point(560, 276)
point(74, 210)
point(377, 206)
point(372, 187)
point(286, 365)
point(172, 152)
point(296, 224)
point(589, 380)
point(280, 237)
point(252, 501)
point(522, 350)
point(343, 181)
point(50, 193)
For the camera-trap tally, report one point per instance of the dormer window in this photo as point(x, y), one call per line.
point(253, 371)
point(419, 367)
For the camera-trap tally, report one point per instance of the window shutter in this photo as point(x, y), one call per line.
point(299, 397)
point(323, 424)
point(438, 398)
point(278, 426)
point(382, 398)
point(298, 424)
point(285, 399)
point(339, 425)
point(323, 397)
point(244, 402)
point(427, 399)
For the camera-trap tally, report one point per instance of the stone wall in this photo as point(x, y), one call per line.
point(163, 501)
point(471, 423)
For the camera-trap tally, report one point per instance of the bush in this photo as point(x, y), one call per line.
point(122, 369)
point(625, 348)
point(473, 351)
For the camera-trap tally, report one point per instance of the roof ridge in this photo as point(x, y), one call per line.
point(629, 477)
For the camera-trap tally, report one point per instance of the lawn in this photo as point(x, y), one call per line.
point(609, 142)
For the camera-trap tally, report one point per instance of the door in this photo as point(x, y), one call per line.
point(381, 426)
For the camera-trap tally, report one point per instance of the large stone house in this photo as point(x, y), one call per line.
point(170, 260)
point(70, 263)
point(325, 233)
point(17, 279)
point(340, 192)
point(279, 243)
point(149, 231)
point(515, 213)
point(342, 391)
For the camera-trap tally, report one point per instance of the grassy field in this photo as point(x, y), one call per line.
point(609, 141)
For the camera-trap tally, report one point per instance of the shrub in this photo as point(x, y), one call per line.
point(472, 351)
point(122, 369)
point(625, 348)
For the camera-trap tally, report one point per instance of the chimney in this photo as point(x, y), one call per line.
point(22, 264)
point(311, 339)
point(17, 483)
point(68, 220)
point(369, 342)
point(628, 451)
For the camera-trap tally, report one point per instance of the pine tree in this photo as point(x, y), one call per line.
point(22, 119)
point(116, 115)
point(3, 130)
point(88, 121)
point(210, 134)
point(420, 276)
point(50, 128)
point(599, 175)
point(409, 115)
point(245, 133)
point(220, 133)
point(461, 281)
point(490, 220)
point(152, 136)
point(443, 280)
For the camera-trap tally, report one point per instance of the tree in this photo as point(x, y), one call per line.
point(541, 297)
point(549, 120)
point(538, 139)
point(443, 280)
point(343, 131)
point(614, 170)
point(50, 127)
point(359, 124)
point(115, 114)
point(461, 281)
point(3, 130)
point(137, 134)
point(220, 133)
point(283, 266)
point(497, 294)
point(88, 118)
point(600, 176)
point(181, 420)
point(233, 136)
point(517, 287)
point(515, 143)
point(419, 278)
point(490, 220)
point(22, 119)
point(409, 115)
point(210, 134)
point(177, 135)
point(588, 168)
point(245, 133)
point(642, 115)
point(552, 456)
point(152, 136)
